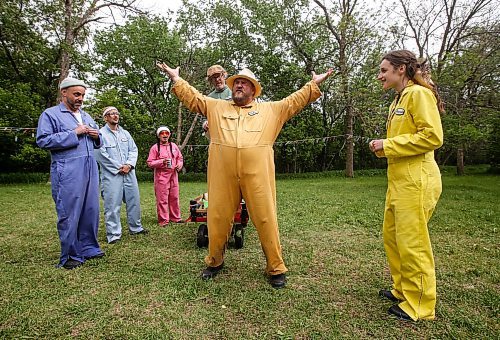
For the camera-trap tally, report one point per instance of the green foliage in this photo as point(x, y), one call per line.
point(129, 79)
point(127, 57)
point(281, 41)
point(494, 145)
point(469, 82)
point(27, 84)
point(31, 158)
point(20, 105)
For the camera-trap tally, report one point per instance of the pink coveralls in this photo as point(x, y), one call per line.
point(166, 181)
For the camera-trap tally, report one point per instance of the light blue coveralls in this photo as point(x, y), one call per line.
point(75, 181)
point(118, 149)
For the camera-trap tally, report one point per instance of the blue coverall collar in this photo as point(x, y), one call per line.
point(118, 128)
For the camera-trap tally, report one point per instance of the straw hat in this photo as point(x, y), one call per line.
point(248, 75)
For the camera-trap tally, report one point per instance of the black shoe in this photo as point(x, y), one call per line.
point(388, 295)
point(116, 240)
point(143, 231)
point(398, 312)
point(96, 256)
point(72, 264)
point(277, 281)
point(211, 272)
point(179, 221)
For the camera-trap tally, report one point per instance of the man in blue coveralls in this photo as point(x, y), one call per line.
point(117, 159)
point(71, 136)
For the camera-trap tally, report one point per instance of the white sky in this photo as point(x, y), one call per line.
point(159, 6)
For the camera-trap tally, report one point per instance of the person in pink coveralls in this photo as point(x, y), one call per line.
point(166, 160)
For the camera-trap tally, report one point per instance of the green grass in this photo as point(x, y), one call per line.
point(149, 286)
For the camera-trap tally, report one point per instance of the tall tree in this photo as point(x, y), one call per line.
point(470, 78)
point(349, 29)
point(440, 28)
point(26, 84)
point(68, 23)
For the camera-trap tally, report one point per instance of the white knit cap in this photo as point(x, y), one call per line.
point(109, 109)
point(160, 129)
point(69, 82)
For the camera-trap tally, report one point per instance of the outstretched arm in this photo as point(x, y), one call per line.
point(297, 100)
point(187, 94)
point(319, 78)
point(172, 73)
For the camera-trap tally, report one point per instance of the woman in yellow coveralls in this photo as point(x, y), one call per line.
point(414, 183)
point(241, 161)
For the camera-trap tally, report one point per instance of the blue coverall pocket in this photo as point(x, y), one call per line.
point(59, 189)
point(112, 151)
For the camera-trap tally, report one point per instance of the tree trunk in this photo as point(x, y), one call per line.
point(443, 163)
point(460, 162)
point(65, 66)
point(349, 158)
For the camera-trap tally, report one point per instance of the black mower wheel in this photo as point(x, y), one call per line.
point(239, 236)
point(202, 236)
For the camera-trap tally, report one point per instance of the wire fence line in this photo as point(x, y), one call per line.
point(364, 139)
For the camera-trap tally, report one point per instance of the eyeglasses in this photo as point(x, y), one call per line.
point(113, 113)
point(216, 76)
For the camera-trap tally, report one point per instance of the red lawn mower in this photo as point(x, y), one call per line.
point(198, 213)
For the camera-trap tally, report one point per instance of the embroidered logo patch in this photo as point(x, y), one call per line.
point(253, 113)
point(400, 111)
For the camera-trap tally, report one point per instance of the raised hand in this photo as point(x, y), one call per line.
point(172, 73)
point(319, 78)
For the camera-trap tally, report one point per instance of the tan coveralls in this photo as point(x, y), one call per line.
point(414, 185)
point(241, 162)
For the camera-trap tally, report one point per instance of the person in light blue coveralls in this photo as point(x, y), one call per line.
point(71, 136)
point(117, 158)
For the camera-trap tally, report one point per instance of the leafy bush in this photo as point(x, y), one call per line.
point(24, 177)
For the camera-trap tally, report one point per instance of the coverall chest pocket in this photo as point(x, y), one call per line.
point(253, 123)
point(112, 149)
point(397, 121)
point(229, 121)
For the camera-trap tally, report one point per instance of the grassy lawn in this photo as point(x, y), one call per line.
point(149, 286)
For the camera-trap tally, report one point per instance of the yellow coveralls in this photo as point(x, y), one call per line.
point(414, 185)
point(241, 162)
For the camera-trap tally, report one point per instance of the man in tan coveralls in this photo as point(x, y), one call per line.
point(241, 160)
